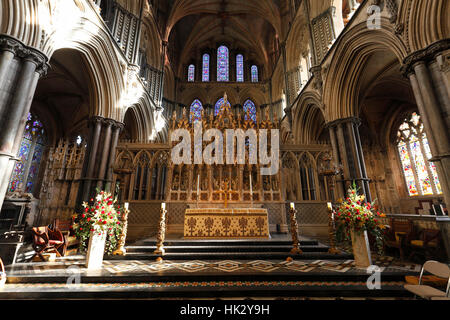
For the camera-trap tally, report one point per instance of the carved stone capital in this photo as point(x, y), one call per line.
point(425, 55)
point(355, 120)
point(20, 50)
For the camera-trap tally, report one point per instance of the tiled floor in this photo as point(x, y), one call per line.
point(75, 265)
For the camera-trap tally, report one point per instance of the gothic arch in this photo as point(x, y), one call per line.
point(419, 33)
point(341, 82)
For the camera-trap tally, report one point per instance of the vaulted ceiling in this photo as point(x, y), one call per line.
point(191, 26)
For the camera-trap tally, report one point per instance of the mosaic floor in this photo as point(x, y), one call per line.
point(75, 265)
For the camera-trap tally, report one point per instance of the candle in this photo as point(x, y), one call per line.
point(251, 188)
point(292, 206)
point(126, 205)
point(198, 183)
point(163, 206)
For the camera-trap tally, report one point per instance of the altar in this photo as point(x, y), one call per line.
point(226, 223)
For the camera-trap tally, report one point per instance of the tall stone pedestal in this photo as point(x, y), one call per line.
point(361, 249)
point(96, 249)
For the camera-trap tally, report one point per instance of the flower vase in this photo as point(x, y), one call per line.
point(96, 249)
point(361, 249)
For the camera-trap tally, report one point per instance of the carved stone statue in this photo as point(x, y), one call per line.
point(176, 182)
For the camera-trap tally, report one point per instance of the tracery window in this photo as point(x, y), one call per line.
point(196, 111)
point(219, 104)
point(222, 64)
point(191, 73)
point(26, 170)
point(250, 108)
point(414, 150)
point(240, 68)
point(205, 71)
point(254, 73)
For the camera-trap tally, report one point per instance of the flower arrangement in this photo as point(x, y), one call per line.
point(354, 214)
point(102, 215)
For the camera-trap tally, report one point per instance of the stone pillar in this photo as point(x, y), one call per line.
point(337, 161)
point(105, 153)
point(347, 149)
point(117, 128)
point(428, 72)
point(100, 157)
point(288, 109)
point(20, 69)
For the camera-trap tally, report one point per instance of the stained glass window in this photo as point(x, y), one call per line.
point(191, 73)
point(222, 64)
point(196, 111)
point(254, 74)
point(250, 108)
point(240, 68)
point(31, 149)
point(218, 105)
point(205, 75)
point(420, 174)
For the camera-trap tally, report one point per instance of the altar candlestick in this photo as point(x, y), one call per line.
point(163, 206)
point(126, 205)
point(251, 188)
point(292, 205)
point(198, 184)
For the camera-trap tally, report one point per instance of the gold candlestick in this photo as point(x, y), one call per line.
point(331, 230)
point(120, 251)
point(161, 232)
point(294, 231)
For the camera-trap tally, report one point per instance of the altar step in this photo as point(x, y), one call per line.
point(229, 249)
point(118, 280)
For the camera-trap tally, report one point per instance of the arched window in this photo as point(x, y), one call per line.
point(420, 174)
point(254, 74)
point(222, 64)
point(218, 105)
point(250, 107)
point(240, 68)
point(191, 73)
point(196, 111)
point(32, 147)
point(205, 73)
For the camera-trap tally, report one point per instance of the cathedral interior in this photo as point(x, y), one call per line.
point(91, 92)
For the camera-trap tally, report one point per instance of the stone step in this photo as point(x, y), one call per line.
point(226, 242)
point(231, 255)
point(212, 249)
point(237, 290)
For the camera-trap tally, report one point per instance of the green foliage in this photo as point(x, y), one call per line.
point(99, 215)
point(354, 214)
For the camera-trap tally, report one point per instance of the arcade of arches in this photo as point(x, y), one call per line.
point(89, 90)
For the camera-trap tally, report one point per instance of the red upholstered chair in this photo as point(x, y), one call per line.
point(46, 240)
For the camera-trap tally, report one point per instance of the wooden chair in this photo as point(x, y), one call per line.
point(46, 240)
point(427, 292)
point(427, 244)
point(399, 235)
point(70, 239)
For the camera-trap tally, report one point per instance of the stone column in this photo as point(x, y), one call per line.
point(427, 73)
point(99, 160)
point(340, 184)
point(105, 153)
point(117, 128)
point(20, 69)
point(346, 144)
